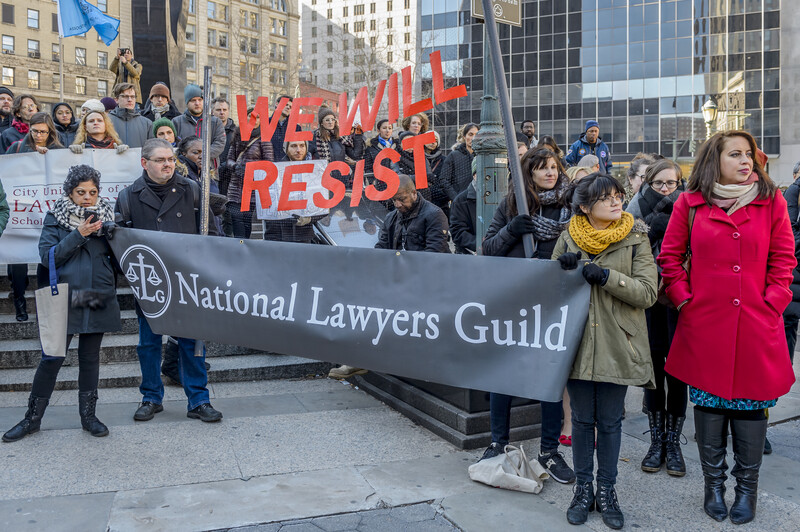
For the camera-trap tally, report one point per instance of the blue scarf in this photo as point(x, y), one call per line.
point(385, 143)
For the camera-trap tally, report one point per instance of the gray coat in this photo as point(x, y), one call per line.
point(187, 125)
point(133, 129)
point(85, 264)
point(633, 207)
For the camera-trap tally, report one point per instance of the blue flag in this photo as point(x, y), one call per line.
point(76, 17)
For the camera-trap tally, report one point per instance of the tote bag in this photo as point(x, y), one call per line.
point(52, 309)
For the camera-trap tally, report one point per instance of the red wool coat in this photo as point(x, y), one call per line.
point(730, 339)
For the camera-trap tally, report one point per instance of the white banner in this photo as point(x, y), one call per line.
point(33, 182)
point(313, 185)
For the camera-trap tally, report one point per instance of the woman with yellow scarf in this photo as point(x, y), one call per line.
point(614, 352)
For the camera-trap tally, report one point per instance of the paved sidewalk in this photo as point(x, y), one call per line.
point(308, 455)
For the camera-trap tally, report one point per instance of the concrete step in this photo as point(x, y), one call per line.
point(223, 369)
point(116, 348)
point(124, 296)
point(11, 329)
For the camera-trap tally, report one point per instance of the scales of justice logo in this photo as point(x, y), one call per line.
point(149, 279)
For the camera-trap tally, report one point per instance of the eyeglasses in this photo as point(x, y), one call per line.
point(640, 176)
point(126, 97)
point(612, 199)
point(161, 161)
point(671, 184)
point(39, 131)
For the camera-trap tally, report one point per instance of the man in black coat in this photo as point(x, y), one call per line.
point(463, 225)
point(279, 136)
point(416, 224)
point(6, 101)
point(161, 200)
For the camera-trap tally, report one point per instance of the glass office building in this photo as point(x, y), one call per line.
point(642, 68)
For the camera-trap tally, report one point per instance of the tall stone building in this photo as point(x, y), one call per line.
point(252, 46)
point(31, 56)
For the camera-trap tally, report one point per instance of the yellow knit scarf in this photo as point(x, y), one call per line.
point(593, 241)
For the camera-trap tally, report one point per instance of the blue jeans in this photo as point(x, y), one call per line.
point(500, 421)
point(596, 405)
point(192, 369)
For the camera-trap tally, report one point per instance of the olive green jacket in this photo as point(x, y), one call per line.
point(4, 210)
point(615, 346)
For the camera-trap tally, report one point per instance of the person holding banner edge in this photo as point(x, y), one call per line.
point(162, 200)
point(614, 352)
point(83, 261)
point(546, 186)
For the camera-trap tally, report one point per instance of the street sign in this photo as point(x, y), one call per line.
point(506, 11)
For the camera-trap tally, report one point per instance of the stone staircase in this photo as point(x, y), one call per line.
point(20, 351)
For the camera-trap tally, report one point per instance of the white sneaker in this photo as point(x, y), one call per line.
point(343, 372)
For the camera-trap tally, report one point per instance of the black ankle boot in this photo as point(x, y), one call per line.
point(675, 463)
point(87, 401)
point(608, 506)
point(712, 438)
point(748, 448)
point(654, 458)
point(21, 307)
point(582, 503)
point(32, 421)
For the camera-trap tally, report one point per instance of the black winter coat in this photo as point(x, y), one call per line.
point(457, 171)
point(371, 150)
point(499, 242)
point(242, 152)
point(5, 123)
point(279, 137)
point(9, 137)
point(177, 213)
point(423, 229)
point(463, 225)
point(85, 264)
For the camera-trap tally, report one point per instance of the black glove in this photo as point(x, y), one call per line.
point(594, 274)
point(108, 229)
point(658, 226)
point(91, 299)
point(521, 224)
point(569, 261)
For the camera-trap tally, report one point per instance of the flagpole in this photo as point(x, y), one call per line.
point(60, 69)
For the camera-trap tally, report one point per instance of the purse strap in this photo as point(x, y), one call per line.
point(51, 262)
point(692, 212)
point(252, 141)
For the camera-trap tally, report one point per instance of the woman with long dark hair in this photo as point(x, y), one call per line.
point(614, 352)
point(331, 145)
point(545, 190)
point(729, 345)
point(41, 136)
point(66, 124)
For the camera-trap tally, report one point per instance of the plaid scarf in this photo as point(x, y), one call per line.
point(70, 216)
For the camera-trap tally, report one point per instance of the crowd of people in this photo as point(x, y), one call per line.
point(692, 280)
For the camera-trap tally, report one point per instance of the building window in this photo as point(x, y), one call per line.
point(190, 61)
point(373, 42)
point(222, 66)
point(80, 85)
point(313, 16)
point(330, 79)
point(103, 5)
point(372, 8)
point(359, 26)
point(80, 56)
point(8, 44)
point(330, 62)
point(390, 39)
point(8, 75)
point(102, 60)
point(56, 82)
point(407, 55)
point(33, 19)
point(254, 20)
point(346, 77)
point(345, 44)
point(344, 12)
point(191, 6)
point(389, 5)
point(359, 9)
point(33, 79)
point(359, 44)
point(54, 23)
point(190, 32)
point(330, 14)
point(389, 23)
point(102, 88)
point(211, 10)
point(314, 31)
point(212, 37)
point(407, 4)
point(56, 50)
point(273, 50)
point(282, 31)
point(407, 20)
point(329, 46)
point(8, 14)
point(389, 57)
point(330, 29)
point(253, 45)
point(359, 77)
point(223, 39)
point(346, 61)
point(346, 27)
point(313, 64)
point(282, 52)
point(373, 25)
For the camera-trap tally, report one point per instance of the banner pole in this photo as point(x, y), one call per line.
point(205, 187)
point(508, 120)
point(60, 67)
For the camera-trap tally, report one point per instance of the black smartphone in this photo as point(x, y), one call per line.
point(90, 215)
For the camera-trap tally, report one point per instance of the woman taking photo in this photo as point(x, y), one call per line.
point(83, 261)
point(545, 190)
point(729, 345)
point(614, 352)
point(97, 131)
point(457, 168)
point(665, 406)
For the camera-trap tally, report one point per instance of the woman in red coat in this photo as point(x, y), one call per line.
point(729, 345)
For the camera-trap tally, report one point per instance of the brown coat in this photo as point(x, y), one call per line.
point(134, 69)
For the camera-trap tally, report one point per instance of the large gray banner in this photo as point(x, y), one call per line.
point(503, 325)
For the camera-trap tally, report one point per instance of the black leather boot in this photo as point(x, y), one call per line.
point(712, 439)
point(675, 463)
point(608, 506)
point(87, 401)
point(654, 458)
point(21, 307)
point(582, 503)
point(748, 448)
point(32, 421)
